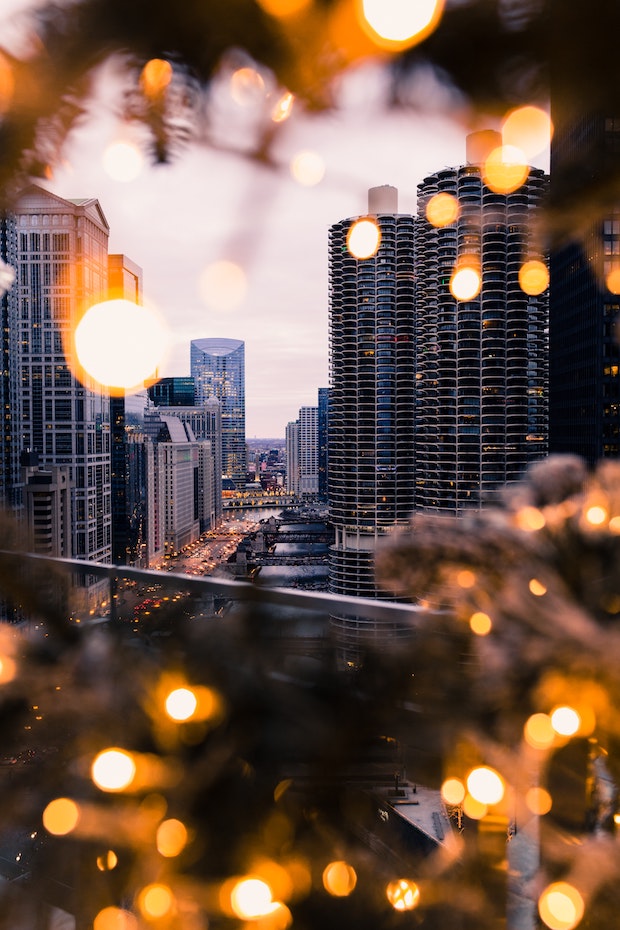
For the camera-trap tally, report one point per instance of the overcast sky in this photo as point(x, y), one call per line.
point(175, 220)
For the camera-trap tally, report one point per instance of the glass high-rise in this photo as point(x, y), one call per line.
point(218, 370)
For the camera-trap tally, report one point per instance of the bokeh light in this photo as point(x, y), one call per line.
point(480, 623)
point(156, 900)
point(403, 894)
point(529, 129)
point(339, 879)
point(121, 344)
point(8, 669)
point(284, 8)
point(251, 898)
point(122, 161)
point(398, 24)
point(505, 169)
point(107, 861)
point(465, 578)
point(363, 238)
point(561, 906)
point(223, 286)
point(442, 209)
point(283, 108)
point(115, 918)
point(485, 785)
point(155, 77)
point(565, 720)
point(308, 168)
point(538, 801)
point(533, 277)
point(171, 838)
point(181, 704)
point(596, 515)
point(473, 808)
point(7, 84)
point(247, 86)
point(61, 816)
point(538, 731)
point(113, 770)
point(536, 587)
point(612, 281)
point(453, 791)
point(465, 282)
point(530, 519)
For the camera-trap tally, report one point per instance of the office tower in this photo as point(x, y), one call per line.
point(63, 269)
point(371, 403)
point(47, 507)
point(292, 457)
point(308, 451)
point(10, 398)
point(481, 364)
point(322, 428)
point(128, 500)
point(218, 370)
point(172, 392)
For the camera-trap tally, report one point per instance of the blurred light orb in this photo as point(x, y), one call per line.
point(560, 906)
point(442, 209)
point(283, 108)
point(308, 168)
point(505, 169)
point(108, 861)
point(363, 238)
point(538, 731)
point(120, 344)
point(252, 898)
point(115, 918)
point(529, 129)
point(530, 519)
point(122, 161)
point(403, 894)
point(465, 283)
point(7, 277)
point(465, 578)
point(181, 704)
point(596, 515)
point(538, 801)
point(474, 809)
point(480, 623)
point(284, 8)
point(155, 77)
point(156, 900)
point(453, 791)
point(612, 281)
point(339, 879)
point(223, 286)
point(171, 838)
point(399, 24)
point(565, 720)
point(247, 86)
point(537, 588)
point(61, 816)
point(8, 669)
point(485, 785)
point(7, 84)
point(533, 277)
point(113, 770)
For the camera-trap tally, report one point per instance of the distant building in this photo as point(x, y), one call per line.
point(47, 507)
point(292, 457)
point(218, 370)
point(323, 420)
point(308, 451)
point(10, 396)
point(173, 392)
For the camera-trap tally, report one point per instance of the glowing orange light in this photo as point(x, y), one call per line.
point(7, 669)
point(399, 24)
point(560, 906)
point(537, 587)
point(283, 108)
point(171, 838)
point(7, 84)
point(473, 808)
point(363, 238)
point(113, 770)
point(596, 515)
point(480, 623)
point(453, 791)
point(529, 129)
point(121, 344)
point(403, 894)
point(465, 282)
point(530, 519)
point(308, 168)
point(284, 8)
point(61, 816)
point(533, 277)
point(107, 861)
point(156, 900)
point(538, 731)
point(612, 281)
point(223, 286)
point(122, 161)
point(485, 785)
point(181, 704)
point(339, 879)
point(505, 169)
point(538, 801)
point(115, 918)
point(442, 209)
point(565, 720)
point(155, 77)
point(246, 86)
point(252, 898)
point(466, 578)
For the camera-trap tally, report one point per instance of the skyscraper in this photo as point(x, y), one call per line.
point(308, 451)
point(10, 402)
point(322, 428)
point(218, 370)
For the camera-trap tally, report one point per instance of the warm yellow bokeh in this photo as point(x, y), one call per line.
point(251, 898)
point(308, 168)
point(612, 281)
point(465, 282)
point(181, 704)
point(171, 838)
point(7, 84)
point(399, 24)
point(8, 669)
point(537, 588)
point(565, 720)
point(247, 86)
point(223, 286)
point(115, 918)
point(596, 515)
point(505, 169)
point(480, 623)
point(465, 578)
point(538, 801)
point(284, 8)
point(538, 731)
point(473, 808)
point(121, 344)
point(156, 900)
point(533, 277)
point(363, 238)
point(113, 770)
point(61, 816)
point(403, 894)
point(107, 861)
point(122, 161)
point(442, 209)
point(485, 785)
point(155, 77)
point(529, 129)
point(453, 791)
point(561, 906)
point(283, 108)
point(339, 879)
